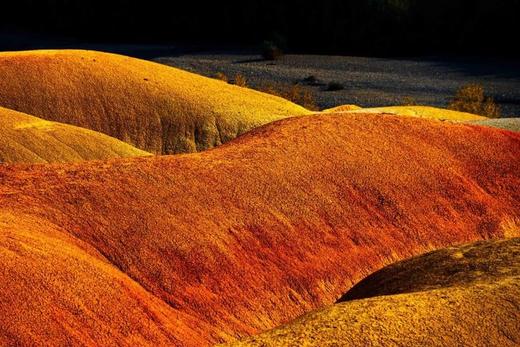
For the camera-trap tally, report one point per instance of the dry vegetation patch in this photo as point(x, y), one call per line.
point(295, 92)
point(342, 108)
point(471, 99)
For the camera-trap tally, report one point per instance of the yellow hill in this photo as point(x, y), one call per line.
point(154, 107)
point(421, 112)
point(28, 139)
point(461, 296)
point(342, 108)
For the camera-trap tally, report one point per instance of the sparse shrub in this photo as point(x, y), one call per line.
point(409, 101)
point(312, 81)
point(308, 100)
point(240, 80)
point(221, 76)
point(471, 99)
point(296, 93)
point(334, 86)
point(271, 51)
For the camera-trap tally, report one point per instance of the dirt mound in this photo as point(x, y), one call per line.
point(150, 106)
point(254, 233)
point(465, 295)
point(27, 139)
point(342, 108)
point(422, 112)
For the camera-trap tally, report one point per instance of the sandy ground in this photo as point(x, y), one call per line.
point(368, 81)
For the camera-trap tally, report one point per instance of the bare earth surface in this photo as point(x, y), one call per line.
point(431, 300)
point(369, 82)
point(208, 247)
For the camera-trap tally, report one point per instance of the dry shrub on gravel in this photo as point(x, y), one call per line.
point(221, 76)
point(240, 80)
point(295, 93)
point(472, 99)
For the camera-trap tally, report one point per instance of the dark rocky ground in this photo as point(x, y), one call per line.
point(368, 81)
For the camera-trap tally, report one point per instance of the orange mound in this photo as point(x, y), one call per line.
point(342, 108)
point(466, 296)
point(254, 233)
point(154, 107)
point(27, 139)
point(56, 289)
point(422, 112)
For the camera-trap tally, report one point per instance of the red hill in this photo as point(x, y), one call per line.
point(201, 248)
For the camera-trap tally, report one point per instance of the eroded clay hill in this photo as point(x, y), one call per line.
point(212, 246)
point(460, 296)
point(414, 111)
point(427, 112)
point(28, 139)
point(342, 108)
point(154, 107)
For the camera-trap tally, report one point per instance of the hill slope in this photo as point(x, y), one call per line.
point(420, 112)
point(57, 290)
point(249, 235)
point(27, 139)
point(465, 295)
point(428, 112)
point(156, 108)
point(342, 108)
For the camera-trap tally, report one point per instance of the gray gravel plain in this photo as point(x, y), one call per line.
point(512, 124)
point(368, 82)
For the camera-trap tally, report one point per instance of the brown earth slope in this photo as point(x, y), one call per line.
point(460, 296)
point(247, 236)
point(28, 139)
point(154, 107)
